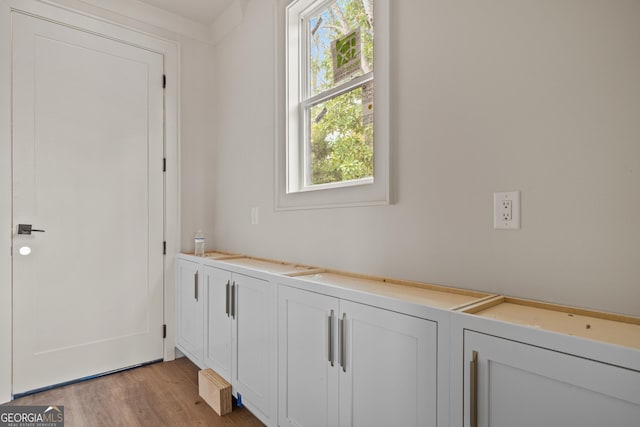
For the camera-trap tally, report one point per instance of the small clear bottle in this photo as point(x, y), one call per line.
point(199, 244)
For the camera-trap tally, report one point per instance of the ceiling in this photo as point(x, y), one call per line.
point(203, 11)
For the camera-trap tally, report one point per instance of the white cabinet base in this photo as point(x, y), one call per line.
point(527, 386)
point(384, 375)
point(226, 322)
point(391, 369)
point(190, 302)
point(308, 383)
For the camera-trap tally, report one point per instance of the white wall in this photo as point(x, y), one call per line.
point(197, 141)
point(540, 96)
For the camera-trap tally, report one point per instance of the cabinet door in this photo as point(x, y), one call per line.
point(521, 385)
point(250, 350)
point(218, 316)
point(190, 336)
point(389, 372)
point(308, 379)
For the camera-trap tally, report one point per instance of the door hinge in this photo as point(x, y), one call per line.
point(164, 248)
point(164, 331)
point(164, 81)
point(164, 164)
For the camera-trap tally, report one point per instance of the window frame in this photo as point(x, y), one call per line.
point(292, 191)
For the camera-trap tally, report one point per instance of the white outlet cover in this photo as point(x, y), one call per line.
point(498, 221)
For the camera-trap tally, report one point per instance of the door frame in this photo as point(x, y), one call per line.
point(171, 52)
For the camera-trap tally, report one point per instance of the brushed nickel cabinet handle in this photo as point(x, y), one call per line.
point(343, 327)
point(331, 338)
point(226, 300)
point(195, 285)
point(233, 300)
point(473, 389)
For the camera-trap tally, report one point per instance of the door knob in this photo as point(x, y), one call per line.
point(27, 229)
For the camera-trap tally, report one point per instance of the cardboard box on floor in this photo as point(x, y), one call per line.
point(215, 391)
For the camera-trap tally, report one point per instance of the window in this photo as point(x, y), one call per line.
point(332, 149)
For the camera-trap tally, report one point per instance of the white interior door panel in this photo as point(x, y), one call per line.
point(87, 155)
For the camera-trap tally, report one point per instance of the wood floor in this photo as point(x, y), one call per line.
point(162, 394)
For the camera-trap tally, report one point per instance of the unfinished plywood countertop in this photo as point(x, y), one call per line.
point(594, 325)
point(269, 266)
point(599, 326)
point(215, 255)
point(415, 292)
point(220, 255)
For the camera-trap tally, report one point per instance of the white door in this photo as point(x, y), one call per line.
point(87, 155)
point(526, 386)
point(307, 358)
point(218, 348)
point(250, 340)
point(390, 374)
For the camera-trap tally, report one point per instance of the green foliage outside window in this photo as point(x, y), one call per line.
point(341, 145)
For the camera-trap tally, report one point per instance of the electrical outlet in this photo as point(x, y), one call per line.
point(506, 210)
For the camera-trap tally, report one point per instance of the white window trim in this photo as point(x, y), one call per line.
point(289, 158)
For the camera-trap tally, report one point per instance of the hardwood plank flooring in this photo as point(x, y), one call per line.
point(162, 394)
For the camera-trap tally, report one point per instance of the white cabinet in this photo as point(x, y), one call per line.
point(250, 367)
point(219, 322)
point(308, 368)
point(390, 362)
point(516, 384)
point(329, 349)
point(529, 364)
point(348, 364)
point(226, 312)
point(238, 334)
point(190, 310)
